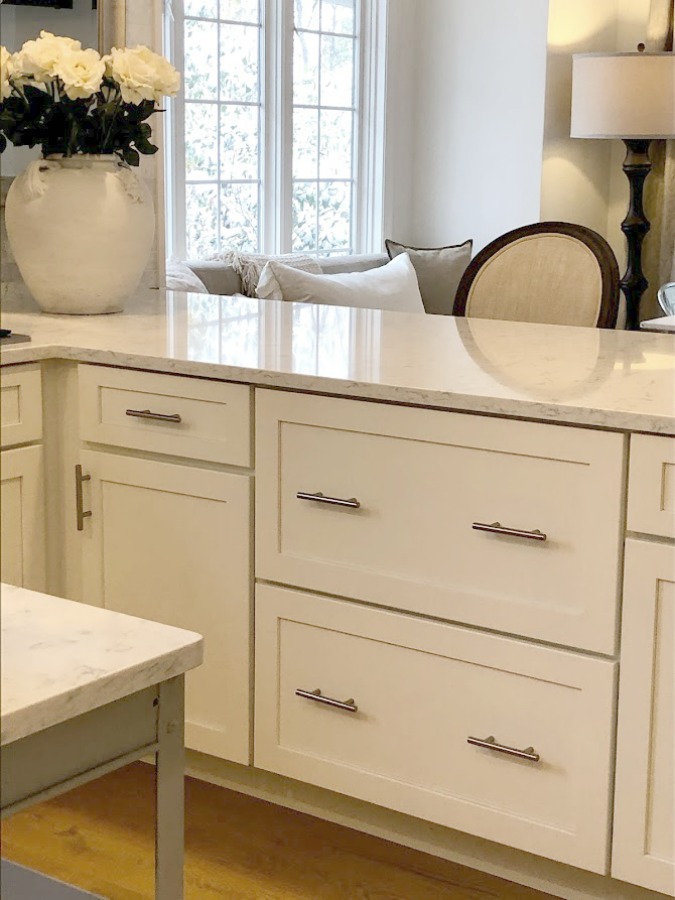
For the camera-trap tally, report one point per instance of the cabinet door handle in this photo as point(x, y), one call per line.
point(498, 528)
point(82, 513)
point(489, 743)
point(352, 503)
point(157, 417)
point(317, 696)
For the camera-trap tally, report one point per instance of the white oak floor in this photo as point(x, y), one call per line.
point(100, 837)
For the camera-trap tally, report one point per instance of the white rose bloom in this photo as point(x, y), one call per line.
point(37, 61)
point(6, 70)
point(81, 72)
point(142, 74)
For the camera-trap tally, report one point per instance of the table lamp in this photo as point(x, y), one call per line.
point(630, 96)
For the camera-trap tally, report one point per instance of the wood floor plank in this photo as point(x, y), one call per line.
point(101, 837)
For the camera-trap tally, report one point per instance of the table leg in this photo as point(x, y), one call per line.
point(170, 799)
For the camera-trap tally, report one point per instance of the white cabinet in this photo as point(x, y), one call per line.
point(172, 543)
point(495, 737)
point(22, 516)
point(644, 821)
point(387, 537)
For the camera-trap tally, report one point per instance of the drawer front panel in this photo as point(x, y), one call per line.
point(651, 486)
point(169, 414)
point(424, 480)
point(421, 690)
point(21, 405)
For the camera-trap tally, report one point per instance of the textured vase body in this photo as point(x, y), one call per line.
point(81, 230)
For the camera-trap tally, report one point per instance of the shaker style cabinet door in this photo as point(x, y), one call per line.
point(172, 543)
point(644, 819)
point(22, 507)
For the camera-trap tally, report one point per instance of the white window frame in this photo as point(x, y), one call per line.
point(276, 144)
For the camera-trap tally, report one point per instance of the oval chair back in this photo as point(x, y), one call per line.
point(555, 273)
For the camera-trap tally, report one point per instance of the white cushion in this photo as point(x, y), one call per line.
point(392, 287)
point(180, 277)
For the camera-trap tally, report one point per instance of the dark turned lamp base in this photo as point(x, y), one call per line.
point(635, 226)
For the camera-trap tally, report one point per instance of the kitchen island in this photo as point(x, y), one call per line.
point(85, 691)
point(478, 516)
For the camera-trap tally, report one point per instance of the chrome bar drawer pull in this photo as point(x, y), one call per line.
point(498, 528)
point(81, 512)
point(157, 417)
point(352, 503)
point(317, 696)
point(491, 744)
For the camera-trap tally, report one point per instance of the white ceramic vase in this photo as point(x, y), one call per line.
point(81, 230)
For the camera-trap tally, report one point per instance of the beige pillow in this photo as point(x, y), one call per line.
point(391, 287)
point(439, 272)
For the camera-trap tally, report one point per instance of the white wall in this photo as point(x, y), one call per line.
point(402, 56)
point(477, 119)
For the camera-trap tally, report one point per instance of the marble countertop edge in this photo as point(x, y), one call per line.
point(481, 404)
point(36, 717)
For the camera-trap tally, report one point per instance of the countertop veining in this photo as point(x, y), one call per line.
point(581, 376)
point(60, 659)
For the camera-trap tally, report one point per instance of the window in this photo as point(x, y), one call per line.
point(276, 136)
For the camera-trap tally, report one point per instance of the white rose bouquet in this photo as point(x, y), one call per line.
point(68, 100)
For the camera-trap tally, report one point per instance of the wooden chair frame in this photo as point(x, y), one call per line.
point(609, 268)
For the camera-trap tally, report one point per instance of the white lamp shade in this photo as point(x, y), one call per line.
point(623, 95)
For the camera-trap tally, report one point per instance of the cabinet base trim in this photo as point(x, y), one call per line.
point(523, 868)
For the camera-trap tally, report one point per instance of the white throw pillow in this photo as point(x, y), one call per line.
point(392, 287)
point(180, 277)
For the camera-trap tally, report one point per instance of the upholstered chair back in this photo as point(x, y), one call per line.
point(552, 272)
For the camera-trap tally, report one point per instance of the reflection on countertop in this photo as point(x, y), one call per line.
point(611, 379)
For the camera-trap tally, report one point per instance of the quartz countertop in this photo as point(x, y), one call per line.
point(61, 659)
point(581, 376)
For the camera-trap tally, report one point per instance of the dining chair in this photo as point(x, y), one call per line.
point(555, 273)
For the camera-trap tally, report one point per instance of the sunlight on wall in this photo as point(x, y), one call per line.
point(575, 173)
point(581, 179)
point(573, 24)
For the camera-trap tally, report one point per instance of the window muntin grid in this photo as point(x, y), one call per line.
point(222, 199)
point(223, 114)
point(325, 123)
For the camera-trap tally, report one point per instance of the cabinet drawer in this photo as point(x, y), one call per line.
point(421, 689)
point(651, 485)
point(423, 479)
point(20, 405)
point(170, 414)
